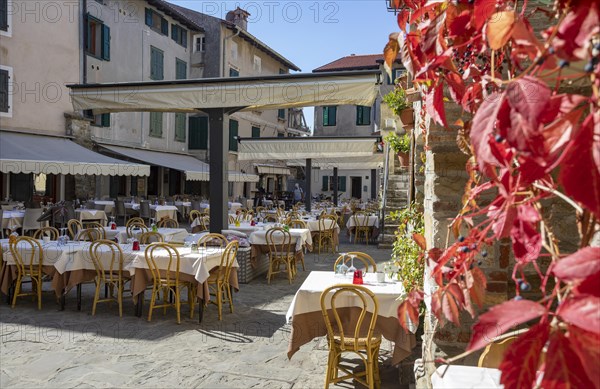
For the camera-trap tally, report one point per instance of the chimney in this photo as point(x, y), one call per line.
point(239, 17)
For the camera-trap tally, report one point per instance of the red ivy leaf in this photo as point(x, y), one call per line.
point(407, 312)
point(483, 129)
point(482, 10)
point(499, 28)
point(420, 241)
point(452, 302)
point(527, 241)
point(584, 312)
point(435, 253)
point(582, 165)
point(587, 346)
point(578, 265)
point(521, 359)
point(589, 286)
point(477, 290)
point(390, 52)
point(456, 86)
point(435, 105)
point(563, 367)
point(573, 37)
point(500, 318)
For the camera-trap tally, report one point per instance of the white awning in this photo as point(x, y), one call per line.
point(235, 176)
point(241, 93)
point(194, 169)
point(272, 169)
point(303, 148)
point(30, 153)
point(374, 161)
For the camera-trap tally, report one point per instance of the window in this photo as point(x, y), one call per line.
point(281, 113)
point(4, 15)
point(328, 183)
point(102, 120)
point(156, 124)
point(180, 69)
point(255, 132)
point(233, 134)
point(233, 72)
point(397, 73)
point(363, 115)
point(179, 34)
point(180, 127)
point(198, 139)
point(281, 134)
point(5, 96)
point(329, 116)
point(155, 21)
point(257, 64)
point(156, 63)
point(97, 41)
point(233, 51)
point(200, 43)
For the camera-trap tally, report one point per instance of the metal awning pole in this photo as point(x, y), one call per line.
point(219, 149)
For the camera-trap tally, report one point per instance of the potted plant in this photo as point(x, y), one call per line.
point(400, 105)
point(400, 145)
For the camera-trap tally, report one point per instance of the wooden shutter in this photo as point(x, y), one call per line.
point(4, 91)
point(180, 127)
point(164, 26)
point(256, 132)
point(359, 115)
point(332, 115)
point(342, 183)
point(180, 69)
point(325, 186)
point(105, 120)
point(175, 33)
point(198, 139)
point(184, 36)
point(105, 42)
point(325, 116)
point(233, 133)
point(148, 17)
point(4, 15)
point(156, 124)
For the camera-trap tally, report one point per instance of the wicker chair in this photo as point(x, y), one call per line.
point(112, 276)
point(281, 253)
point(367, 261)
point(29, 259)
point(52, 232)
point(218, 282)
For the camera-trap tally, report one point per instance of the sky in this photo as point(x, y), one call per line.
point(311, 33)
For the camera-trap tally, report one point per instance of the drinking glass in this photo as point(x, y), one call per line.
point(352, 269)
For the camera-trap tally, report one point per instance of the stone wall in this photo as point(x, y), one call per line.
point(81, 187)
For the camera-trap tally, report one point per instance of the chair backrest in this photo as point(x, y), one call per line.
point(259, 210)
point(271, 218)
point(102, 248)
point(168, 273)
point(30, 219)
point(293, 215)
point(134, 226)
point(96, 225)
point(364, 300)
point(151, 237)
point(227, 259)
point(204, 222)
point(360, 219)
point(194, 213)
point(90, 234)
point(327, 223)
point(145, 209)
point(120, 208)
point(27, 253)
point(136, 220)
point(297, 223)
point(279, 242)
point(231, 219)
point(45, 231)
point(168, 223)
point(366, 259)
point(213, 239)
point(74, 226)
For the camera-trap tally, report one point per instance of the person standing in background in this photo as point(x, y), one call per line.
point(298, 193)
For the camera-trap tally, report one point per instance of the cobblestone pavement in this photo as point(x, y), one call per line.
point(247, 349)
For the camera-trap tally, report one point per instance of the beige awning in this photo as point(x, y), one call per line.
point(241, 93)
point(235, 176)
point(373, 161)
point(30, 153)
point(194, 169)
point(272, 169)
point(303, 148)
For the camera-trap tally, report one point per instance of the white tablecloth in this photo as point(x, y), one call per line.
point(465, 377)
point(299, 235)
point(373, 221)
point(159, 211)
point(234, 206)
point(313, 225)
point(169, 234)
point(91, 214)
point(108, 205)
point(12, 219)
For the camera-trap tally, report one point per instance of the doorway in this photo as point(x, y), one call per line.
point(356, 186)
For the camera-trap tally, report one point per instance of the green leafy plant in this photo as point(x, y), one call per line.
point(397, 100)
point(400, 144)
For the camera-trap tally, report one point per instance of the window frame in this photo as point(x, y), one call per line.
point(101, 41)
point(233, 141)
point(6, 20)
point(179, 62)
point(182, 35)
point(232, 70)
point(162, 20)
point(9, 95)
point(180, 132)
point(152, 132)
point(153, 76)
point(202, 43)
point(360, 115)
point(328, 122)
point(254, 132)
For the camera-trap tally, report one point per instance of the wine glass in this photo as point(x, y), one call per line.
point(352, 269)
point(343, 268)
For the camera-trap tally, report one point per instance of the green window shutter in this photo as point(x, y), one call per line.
point(325, 116)
point(180, 127)
point(184, 35)
point(88, 34)
point(148, 15)
point(256, 132)
point(281, 113)
point(152, 63)
point(198, 139)
point(342, 184)
point(105, 42)
point(359, 115)
point(3, 15)
point(233, 133)
point(4, 91)
point(164, 26)
point(156, 124)
point(332, 115)
point(160, 61)
point(105, 120)
point(325, 186)
point(156, 64)
point(180, 69)
point(175, 32)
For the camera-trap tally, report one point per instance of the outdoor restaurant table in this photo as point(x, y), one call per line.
point(464, 377)
point(313, 226)
point(234, 206)
point(258, 239)
point(159, 211)
point(186, 205)
point(373, 221)
point(12, 219)
point(108, 205)
point(307, 321)
point(91, 214)
point(169, 234)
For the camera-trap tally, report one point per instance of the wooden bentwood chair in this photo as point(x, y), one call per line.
point(368, 262)
point(29, 259)
point(112, 276)
point(344, 338)
point(218, 282)
point(281, 253)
